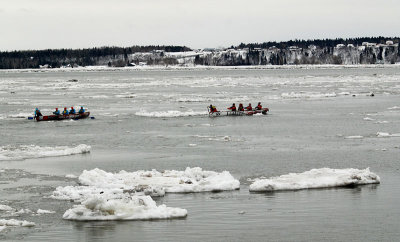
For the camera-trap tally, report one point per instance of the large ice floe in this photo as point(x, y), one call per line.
point(21, 152)
point(128, 207)
point(316, 178)
point(126, 195)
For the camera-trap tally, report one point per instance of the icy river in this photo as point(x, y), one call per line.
point(152, 166)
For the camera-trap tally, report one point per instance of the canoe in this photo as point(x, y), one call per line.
point(237, 113)
point(63, 117)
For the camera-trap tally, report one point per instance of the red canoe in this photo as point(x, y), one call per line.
point(62, 117)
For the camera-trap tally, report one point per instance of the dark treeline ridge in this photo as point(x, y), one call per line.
point(22, 59)
point(318, 42)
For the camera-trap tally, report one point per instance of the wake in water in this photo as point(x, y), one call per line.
point(316, 178)
point(22, 152)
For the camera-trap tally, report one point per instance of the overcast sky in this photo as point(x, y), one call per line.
point(42, 24)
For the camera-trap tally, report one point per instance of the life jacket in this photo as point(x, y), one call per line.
point(65, 112)
point(57, 112)
point(72, 111)
point(249, 108)
point(81, 110)
point(241, 108)
point(213, 109)
point(259, 107)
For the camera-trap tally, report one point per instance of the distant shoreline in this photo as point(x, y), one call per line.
point(199, 67)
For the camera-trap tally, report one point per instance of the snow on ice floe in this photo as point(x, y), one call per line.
point(169, 114)
point(5, 208)
point(316, 178)
point(385, 135)
point(21, 152)
point(4, 223)
point(368, 119)
point(101, 207)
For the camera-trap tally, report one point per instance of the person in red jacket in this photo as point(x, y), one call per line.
point(213, 109)
point(233, 107)
point(241, 108)
point(249, 108)
point(259, 107)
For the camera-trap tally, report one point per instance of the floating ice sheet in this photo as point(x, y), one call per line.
point(102, 207)
point(316, 178)
point(21, 152)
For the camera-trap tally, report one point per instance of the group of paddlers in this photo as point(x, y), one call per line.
point(64, 112)
point(241, 108)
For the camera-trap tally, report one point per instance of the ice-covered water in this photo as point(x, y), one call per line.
point(156, 119)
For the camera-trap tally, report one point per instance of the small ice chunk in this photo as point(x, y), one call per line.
point(14, 222)
point(5, 208)
point(192, 145)
point(354, 137)
point(368, 119)
point(42, 211)
point(316, 178)
point(71, 176)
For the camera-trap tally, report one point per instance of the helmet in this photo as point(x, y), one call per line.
point(65, 108)
point(56, 108)
point(249, 104)
point(72, 107)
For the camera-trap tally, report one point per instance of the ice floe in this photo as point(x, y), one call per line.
point(307, 95)
point(316, 178)
point(21, 152)
point(100, 207)
point(169, 114)
point(394, 108)
point(43, 211)
point(354, 137)
point(5, 208)
point(385, 135)
point(4, 223)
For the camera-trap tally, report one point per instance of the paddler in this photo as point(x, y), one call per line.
point(72, 111)
point(37, 112)
point(259, 107)
point(241, 108)
point(249, 108)
point(65, 112)
point(57, 112)
point(233, 107)
point(81, 111)
point(213, 109)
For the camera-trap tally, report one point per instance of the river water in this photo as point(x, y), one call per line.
point(156, 119)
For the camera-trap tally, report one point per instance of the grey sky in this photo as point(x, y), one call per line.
point(41, 24)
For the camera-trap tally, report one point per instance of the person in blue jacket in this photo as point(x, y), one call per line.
point(57, 112)
point(82, 110)
point(65, 112)
point(37, 112)
point(72, 111)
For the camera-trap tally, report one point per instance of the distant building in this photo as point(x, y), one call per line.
point(389, 42)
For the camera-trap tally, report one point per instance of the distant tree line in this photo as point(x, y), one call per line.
point(318, 42)
point(82, 57)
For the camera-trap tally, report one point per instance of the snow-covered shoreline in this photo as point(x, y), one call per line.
point(200, 67)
